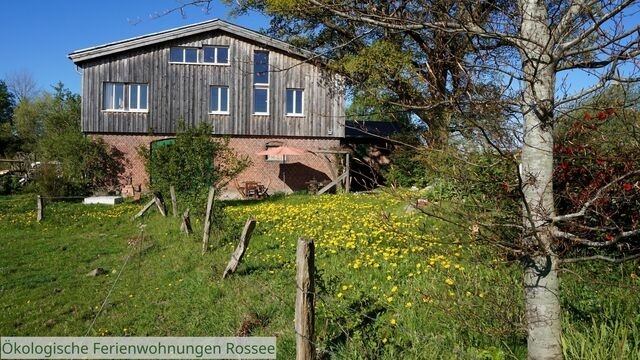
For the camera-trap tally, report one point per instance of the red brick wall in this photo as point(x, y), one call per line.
point(280, 177)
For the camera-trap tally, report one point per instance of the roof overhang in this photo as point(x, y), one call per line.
point(80, 56)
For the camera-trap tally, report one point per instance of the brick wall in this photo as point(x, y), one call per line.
point(280, 177)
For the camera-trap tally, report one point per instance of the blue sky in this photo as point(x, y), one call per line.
point(38, 35)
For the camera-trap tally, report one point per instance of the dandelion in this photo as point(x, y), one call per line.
point(344, 287)
point(384, 340)
point(394, 289)
point(389, 298)
point(392, 321)
point(408, 305)
point(339, 295)
point(449, 281)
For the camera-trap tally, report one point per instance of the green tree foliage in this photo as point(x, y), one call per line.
point(8, 141)
point(424, 70)
point(192, 164)
point(7, 103)
point(70, 163)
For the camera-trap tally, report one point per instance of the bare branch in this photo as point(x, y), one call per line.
point(601, 258)
point(597, 25)
point(582, 241)
point(590, 202)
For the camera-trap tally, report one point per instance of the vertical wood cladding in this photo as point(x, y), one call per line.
point(180, 92)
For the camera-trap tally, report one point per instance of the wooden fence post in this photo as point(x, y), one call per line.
point(40, 214)
point(207, 219)
point(145, 208)
point(186, 223)
point(305, 298)
point(237, 255)
point(159, 200)
point(174, 205)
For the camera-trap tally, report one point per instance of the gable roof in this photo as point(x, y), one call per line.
point(82, 55)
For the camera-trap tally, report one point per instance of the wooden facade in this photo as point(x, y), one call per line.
point(180, 91)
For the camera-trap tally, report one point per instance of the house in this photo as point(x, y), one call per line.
point(258, 91)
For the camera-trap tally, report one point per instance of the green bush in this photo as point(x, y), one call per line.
point(192, 164)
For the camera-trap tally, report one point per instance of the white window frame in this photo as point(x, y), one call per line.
point(215, 55)
point(112, 106)
point(260, 87)
point(138, 86)
point(126, 100)
point(184, 55)
point(219, 93)
point(268, 63)
point(296, 112)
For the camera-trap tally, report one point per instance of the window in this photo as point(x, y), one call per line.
point(215, 55)
point(114, 95)
point(138, 99)
point(261, 67)
point(294, 102)
point(219, 100)
point(183, 55)
point(261, 100)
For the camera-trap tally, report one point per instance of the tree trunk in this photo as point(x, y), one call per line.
point(536, 173)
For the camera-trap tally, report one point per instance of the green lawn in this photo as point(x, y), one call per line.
point(389, 284)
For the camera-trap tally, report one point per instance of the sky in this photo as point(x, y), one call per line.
point(37, 35)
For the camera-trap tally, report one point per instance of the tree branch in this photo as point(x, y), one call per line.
point(602, 258)
point(577, 239)
point(590, 202)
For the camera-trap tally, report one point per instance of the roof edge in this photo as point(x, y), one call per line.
point(115, 47)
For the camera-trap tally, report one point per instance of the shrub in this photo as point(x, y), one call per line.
point(596, 162)
point(192, 164)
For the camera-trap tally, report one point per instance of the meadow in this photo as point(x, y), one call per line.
point(390, 284)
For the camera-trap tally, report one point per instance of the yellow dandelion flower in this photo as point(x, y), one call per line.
point(389, 298)
point(408, 305)
point(392, 321)
point(339, 295)
point(394, 289)
point(449, 281)
point(344, 287)
point(384, 340)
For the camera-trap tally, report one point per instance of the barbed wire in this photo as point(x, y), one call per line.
point(115, 282)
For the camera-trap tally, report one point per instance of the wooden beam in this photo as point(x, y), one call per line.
point(186, 223)
point(333, 183)
point(305, 300)
point(174, 205)
point(40, 204)
point(145, 208)
point(243, 244)
point(159, 200)
point(207, 219)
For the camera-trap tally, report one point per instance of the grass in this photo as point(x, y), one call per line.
point(389, 284)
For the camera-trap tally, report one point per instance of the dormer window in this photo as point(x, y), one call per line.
point(187, 55)
point(215, 55)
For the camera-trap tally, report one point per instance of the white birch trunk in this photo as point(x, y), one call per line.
point(541, 273)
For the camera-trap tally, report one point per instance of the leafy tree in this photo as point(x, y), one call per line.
point(8, 141)
point(71, 163)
